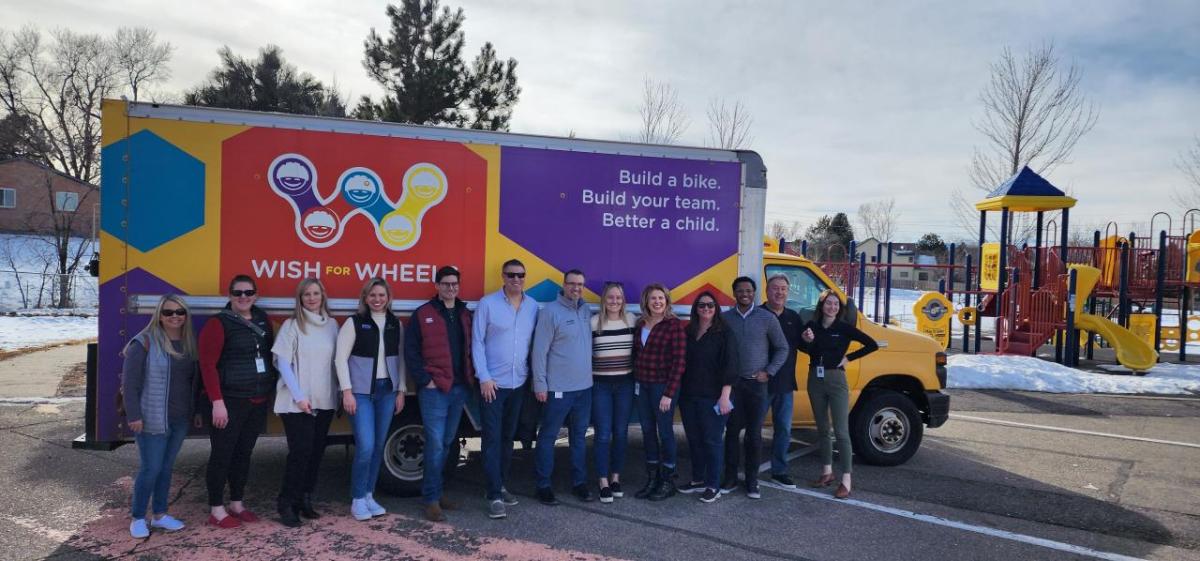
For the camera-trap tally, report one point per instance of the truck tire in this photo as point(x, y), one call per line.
point(885, 428)
point(404, 456)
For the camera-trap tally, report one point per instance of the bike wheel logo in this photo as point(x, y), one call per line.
point(320, 221)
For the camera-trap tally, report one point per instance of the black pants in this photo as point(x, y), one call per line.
point(306, 446)
point(230, 448)
point(748, 397)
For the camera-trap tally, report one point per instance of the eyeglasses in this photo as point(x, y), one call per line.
point(573, 284)
point(176, 312)
point(448, 284)
point(514, 275)
point(240, 293)
point(705, 305)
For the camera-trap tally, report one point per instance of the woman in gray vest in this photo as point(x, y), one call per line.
point(158, 382)
point(370, 371)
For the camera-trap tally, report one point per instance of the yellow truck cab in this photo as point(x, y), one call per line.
point(894, 392)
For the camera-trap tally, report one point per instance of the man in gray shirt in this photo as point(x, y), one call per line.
point(762, 350)
point(562, 380)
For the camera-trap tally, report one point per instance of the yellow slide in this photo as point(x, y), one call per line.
point(1132, 352)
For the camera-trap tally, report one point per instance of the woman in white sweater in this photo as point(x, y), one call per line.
point(370, 371)
point(306, 397)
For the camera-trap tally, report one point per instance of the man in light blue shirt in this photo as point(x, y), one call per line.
point(500, 338)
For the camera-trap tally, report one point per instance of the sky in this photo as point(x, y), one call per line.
point(852, 102)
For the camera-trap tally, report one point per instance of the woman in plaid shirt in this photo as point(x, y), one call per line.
point(659, 349)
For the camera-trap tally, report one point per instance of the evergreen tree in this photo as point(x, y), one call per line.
point(424, 77)
point(267, 83)
point(932, 244)
point(829, 238)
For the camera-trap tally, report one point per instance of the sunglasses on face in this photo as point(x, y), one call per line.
point(448, 284)
point(240, 293)
point(176, 312)
point(705, 305)
point(514, 275)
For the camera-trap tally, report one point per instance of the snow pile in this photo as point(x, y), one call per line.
point(20, 332)
point(1031, 374)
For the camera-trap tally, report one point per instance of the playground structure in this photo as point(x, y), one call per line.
point(1116, 290)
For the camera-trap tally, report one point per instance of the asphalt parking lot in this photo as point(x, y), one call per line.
point(1011, 476)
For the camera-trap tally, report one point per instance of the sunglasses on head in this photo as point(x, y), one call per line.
point(240, 293)
point(176, 312)
point(514, 275)
point(705, 305)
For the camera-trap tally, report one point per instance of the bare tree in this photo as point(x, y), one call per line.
point(878, 219)
point(140, 58)
point(1189, 163)
point(782, 229)
point(663, 117)
point(54, 227)
point(56, 87)
point(728, 125)
point(1034, 115)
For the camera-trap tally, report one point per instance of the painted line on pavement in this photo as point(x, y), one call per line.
point(38, 400)
point(939, 521)
point(798, 453)
point(1002, 422)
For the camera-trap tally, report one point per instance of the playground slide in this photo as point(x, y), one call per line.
point(1132, 352)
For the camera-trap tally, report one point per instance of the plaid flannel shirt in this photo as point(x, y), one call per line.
point(662, 358)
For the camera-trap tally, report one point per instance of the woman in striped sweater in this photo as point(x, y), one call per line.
point(612, 393)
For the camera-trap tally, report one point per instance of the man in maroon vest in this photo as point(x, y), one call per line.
point(437, 351)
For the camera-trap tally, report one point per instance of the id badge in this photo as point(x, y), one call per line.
point(820, 371)
point(637, 388)
point(558, 395)
point(260, 365)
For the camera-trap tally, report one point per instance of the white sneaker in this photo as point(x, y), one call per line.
point(138, 528)
point(359, 510)
point(375, 508)
point(168, 523)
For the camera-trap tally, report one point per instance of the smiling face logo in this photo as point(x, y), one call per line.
point(292, 175)
point(360, 189)
point(397, 230)
point(320, 223)
point(425, 181)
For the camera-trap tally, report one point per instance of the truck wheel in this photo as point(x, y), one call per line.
point(885, 428)
point(403, 457)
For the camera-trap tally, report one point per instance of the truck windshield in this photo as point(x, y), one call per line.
point(804, 289)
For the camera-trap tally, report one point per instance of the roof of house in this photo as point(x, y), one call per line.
point(45, 167)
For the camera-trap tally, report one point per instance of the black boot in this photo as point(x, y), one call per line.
point(306, 508)
point(652, 478)
point(666, 486)
point(287, 513)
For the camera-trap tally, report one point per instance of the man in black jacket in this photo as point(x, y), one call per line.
point(782, 386)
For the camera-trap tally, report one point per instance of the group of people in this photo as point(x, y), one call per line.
point(723, 370)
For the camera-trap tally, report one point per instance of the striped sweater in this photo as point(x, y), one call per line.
point(612, 347)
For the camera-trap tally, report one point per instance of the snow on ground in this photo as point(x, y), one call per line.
point(901, 309)
point(1032, 374)
point(29, 272)
point(20, 332)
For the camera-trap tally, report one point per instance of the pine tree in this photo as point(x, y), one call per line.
point(267, 83)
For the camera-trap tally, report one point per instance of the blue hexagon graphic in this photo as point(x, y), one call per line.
point(166, 191)
point(545, 291)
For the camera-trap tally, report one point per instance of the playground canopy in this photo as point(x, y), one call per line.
point(1026, 192)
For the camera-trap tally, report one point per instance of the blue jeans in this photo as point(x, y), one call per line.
point(370, 424)
point(658, 428)
point(440, 413)
point(157, 454)
point(781, 424)
point(612, 405)
point(705, 430)
point(499, 420)
point(574, 408)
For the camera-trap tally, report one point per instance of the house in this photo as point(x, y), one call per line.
point(34, 196)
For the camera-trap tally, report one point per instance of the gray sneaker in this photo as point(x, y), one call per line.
point(496, 509)
point(508, 498)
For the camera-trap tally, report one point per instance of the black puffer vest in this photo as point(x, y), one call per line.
point(239, 373)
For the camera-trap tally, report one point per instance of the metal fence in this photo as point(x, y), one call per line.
point(22, 290)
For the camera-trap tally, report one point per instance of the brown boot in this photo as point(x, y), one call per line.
point(842, 492)
point(448, 504)
point(433, 513)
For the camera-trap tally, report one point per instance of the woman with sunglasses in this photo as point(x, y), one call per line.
point(158, 382)
point(612, 388)
point(825, 339)
point(305, 397)
point(704, 404)
point(659, 350)
point(236, 367)
point(370, 371)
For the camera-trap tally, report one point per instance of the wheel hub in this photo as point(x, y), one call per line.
point(889, 430)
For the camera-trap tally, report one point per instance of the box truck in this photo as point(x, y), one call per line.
point(191, 196)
